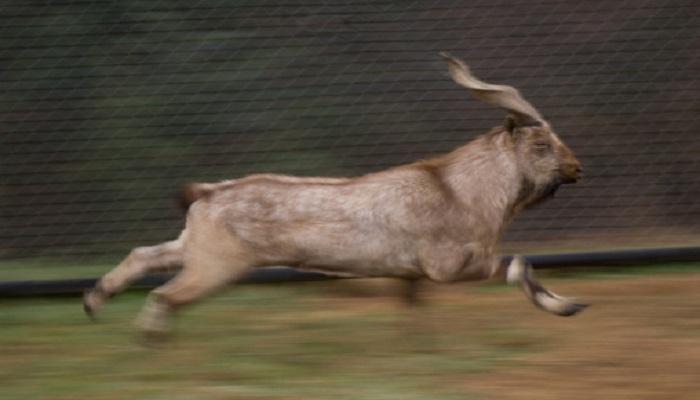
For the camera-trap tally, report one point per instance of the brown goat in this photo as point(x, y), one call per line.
point(440, 219)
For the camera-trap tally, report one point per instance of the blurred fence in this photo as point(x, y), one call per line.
point(107, 107)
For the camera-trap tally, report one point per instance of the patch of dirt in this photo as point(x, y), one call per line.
point(639, 340)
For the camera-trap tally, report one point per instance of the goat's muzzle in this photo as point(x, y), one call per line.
point(570, 173)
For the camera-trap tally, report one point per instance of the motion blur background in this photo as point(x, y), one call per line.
point(107, 107)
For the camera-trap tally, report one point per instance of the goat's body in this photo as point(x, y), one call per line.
point(332, 227)
point(438, 219)
point(337, 227)
point(410, 221)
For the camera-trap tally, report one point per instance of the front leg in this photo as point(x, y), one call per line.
point(455, 262)
point(473, 262)
point(519, 271)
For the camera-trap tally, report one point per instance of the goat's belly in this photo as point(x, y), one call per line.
point(330, 246)
point(356, 261)
point(360, 268)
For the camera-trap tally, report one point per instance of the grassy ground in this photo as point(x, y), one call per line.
point(356, 340)
point(46, 270)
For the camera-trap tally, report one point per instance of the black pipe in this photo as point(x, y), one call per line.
point(283, 274)
point(618, 257)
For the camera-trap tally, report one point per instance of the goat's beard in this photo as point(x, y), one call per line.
point(549, 190)
point(531, 193)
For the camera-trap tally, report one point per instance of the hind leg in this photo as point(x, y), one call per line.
point(141, 261)
point(201, 277)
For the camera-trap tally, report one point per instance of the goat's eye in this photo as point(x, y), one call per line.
point(542, 145)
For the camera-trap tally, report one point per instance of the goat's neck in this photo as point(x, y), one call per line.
point(483, 175)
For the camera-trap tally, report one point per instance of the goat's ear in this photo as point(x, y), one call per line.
point(513, 127)
point(510, 124)
point(503, 96)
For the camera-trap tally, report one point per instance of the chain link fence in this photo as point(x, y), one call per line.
point(107, 107)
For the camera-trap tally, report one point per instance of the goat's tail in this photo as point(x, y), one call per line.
point(192, 192)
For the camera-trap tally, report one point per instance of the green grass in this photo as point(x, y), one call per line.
point(295, 341)
point(11, 270)
point(257, 342)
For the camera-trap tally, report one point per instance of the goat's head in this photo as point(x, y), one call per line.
point(543, 160)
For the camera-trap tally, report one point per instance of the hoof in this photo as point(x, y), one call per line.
point(89, 312)
point(152, 322)
point(92, 302)
point(558, 305)
point(573, 309)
